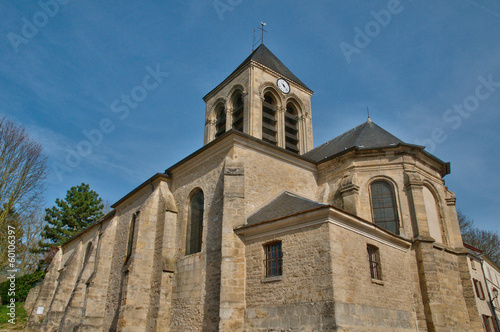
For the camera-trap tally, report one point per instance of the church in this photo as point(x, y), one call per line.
point(259, 230)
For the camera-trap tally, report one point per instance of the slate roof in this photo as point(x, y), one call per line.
point(284, 205)
point(265, 57)
point(365, 136)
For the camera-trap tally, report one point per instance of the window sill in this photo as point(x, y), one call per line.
point(378, 282)
point(271, 279)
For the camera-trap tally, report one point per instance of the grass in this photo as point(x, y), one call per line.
point(21, 317)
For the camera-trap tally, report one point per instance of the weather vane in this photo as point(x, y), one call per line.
point(262, 25)
point(261, 40)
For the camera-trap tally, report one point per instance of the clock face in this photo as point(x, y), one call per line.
point(283, 85)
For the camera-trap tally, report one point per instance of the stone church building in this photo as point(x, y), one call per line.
point(260, 231)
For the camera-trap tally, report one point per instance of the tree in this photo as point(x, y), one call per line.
point(81, 208)
point(23, 169)
point(485, 240)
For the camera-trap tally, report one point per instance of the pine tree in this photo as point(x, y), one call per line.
point(81, 208)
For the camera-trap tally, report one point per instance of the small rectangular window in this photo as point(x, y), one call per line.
point(489, 324)
point(493, 324)
point(479, 289)
point(273, 259)
point(472, 264)
point(374, 259)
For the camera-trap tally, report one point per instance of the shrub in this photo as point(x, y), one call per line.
point(23, 286)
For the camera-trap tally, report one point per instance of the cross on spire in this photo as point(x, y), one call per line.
point(262, 25)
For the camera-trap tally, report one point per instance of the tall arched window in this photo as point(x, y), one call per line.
point(195, 223)
point(87, 253)
point(291, 129)
point(131, 232)
point(384, 208)
point(269, 119)
point(238, 112)
point(220, 125)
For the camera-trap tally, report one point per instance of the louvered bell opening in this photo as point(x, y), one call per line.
point(269, 123)
point(291, 132)
point(220, 126)
point(238, 114)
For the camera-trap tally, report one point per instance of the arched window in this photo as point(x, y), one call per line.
point(195, 223)
point(87, 253)
point(238, 112)
point(269, 119)
point(291, 130)
point(220, 125)
point(384, 209)
point(131, 232)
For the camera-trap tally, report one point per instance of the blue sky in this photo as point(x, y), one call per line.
point(429, 72)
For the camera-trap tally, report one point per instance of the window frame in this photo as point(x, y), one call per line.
point(238, 114)
point(270, 119)
point(292, 140)
point(273, 253)
point(395, 205)
point(374, 262)
point(479, 289)
point(489, 323)
point(131, 236)
point(220, 120)
point(194, 235)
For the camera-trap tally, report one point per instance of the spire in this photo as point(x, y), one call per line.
point(369, 120)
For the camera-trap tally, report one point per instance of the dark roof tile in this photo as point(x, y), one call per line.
point(365, 136)
point(284, 205)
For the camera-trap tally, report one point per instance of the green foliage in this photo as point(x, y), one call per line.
point(23, 286)
point(81, 208)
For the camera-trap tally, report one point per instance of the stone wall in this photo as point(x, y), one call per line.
point(267, 176)
point(301, 299)
point(196, 281)
point(360, 301)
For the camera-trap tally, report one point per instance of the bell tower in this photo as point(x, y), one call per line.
point(264, 99)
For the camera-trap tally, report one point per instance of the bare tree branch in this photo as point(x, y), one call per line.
point(485, 240)
point(23, 169)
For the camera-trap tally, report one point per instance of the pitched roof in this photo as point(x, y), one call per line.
point(284, 205)
point(365, 136)
point(265, 57)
